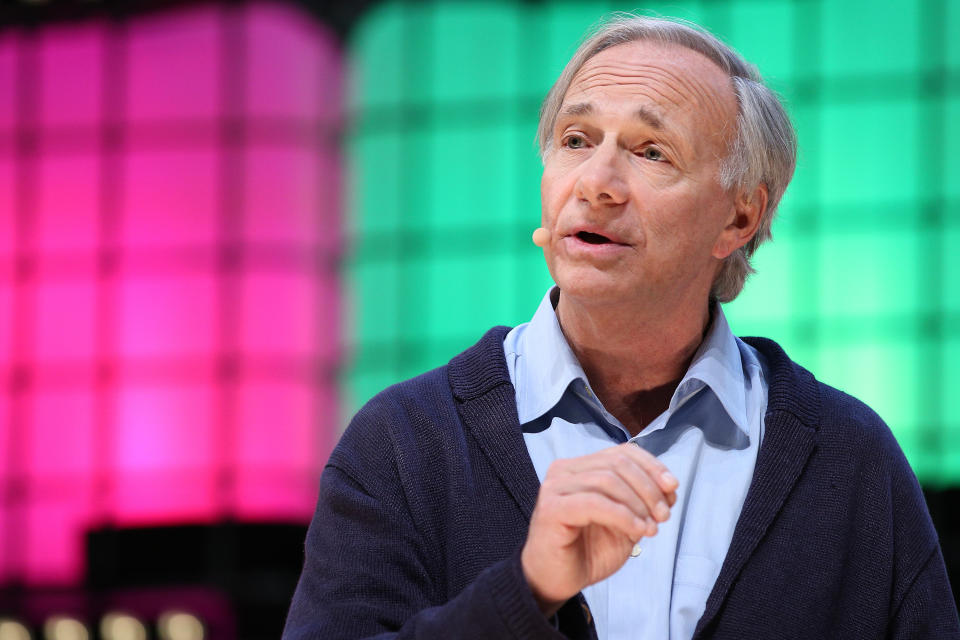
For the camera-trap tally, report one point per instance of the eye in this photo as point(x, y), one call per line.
point(654, 154)
point(574, 142)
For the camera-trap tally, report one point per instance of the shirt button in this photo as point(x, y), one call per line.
point(637, 550)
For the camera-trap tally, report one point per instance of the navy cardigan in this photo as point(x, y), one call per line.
point(425, 502)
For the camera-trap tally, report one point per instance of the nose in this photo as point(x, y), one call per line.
point(601, 180)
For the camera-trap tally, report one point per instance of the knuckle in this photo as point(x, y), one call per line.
point(548, 488)
point(622, 463)
point(606, 479)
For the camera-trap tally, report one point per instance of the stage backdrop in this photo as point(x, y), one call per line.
point(170, 235)
point(861, 283)
point(171, 226)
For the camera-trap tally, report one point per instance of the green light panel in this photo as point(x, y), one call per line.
point(862, 281)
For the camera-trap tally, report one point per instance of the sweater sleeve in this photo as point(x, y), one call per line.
point(367, 575)
point(927, 609)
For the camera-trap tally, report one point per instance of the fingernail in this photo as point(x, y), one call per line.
point(669, 477)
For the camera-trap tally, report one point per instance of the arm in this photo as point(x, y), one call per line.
point(927, 608)
point(367, 574)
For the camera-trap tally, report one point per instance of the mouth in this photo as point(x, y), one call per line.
point(593, 238)
point(588, 243)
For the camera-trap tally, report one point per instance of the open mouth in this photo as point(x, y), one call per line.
point(593, 238)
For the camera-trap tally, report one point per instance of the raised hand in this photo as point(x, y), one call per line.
point(589, 514)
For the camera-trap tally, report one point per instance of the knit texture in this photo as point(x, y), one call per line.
point(425, 502)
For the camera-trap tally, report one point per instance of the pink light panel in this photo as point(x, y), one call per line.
point(169, 293)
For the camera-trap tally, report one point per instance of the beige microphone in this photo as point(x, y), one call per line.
point(541, 237)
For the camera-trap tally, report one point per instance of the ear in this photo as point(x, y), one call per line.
point(743, 222)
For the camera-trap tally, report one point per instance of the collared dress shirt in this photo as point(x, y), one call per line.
point(708, 437)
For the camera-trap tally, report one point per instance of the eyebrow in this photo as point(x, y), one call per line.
point(648, 116)
point(577, 109)
point(587, 109)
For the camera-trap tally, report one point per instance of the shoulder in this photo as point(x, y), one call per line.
point(410, 415)
point(833, 414)
point(473, 371)
point(851, 438)
point(855, 454)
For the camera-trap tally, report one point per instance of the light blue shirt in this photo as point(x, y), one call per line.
point(708, 438)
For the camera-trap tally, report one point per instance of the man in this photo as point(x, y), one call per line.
point(622, 466)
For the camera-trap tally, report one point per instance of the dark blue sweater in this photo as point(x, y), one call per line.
point(425, 502)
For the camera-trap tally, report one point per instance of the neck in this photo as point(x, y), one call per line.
point(627, 351)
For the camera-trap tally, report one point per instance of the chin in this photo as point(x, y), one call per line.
point(595, 288)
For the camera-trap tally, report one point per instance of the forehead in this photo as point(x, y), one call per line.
point(677, 83)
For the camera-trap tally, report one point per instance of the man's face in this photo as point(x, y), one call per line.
point(630, 187)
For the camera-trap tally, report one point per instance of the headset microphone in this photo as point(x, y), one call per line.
point(541, 237)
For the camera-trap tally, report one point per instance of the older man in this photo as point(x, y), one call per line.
point(622, 466)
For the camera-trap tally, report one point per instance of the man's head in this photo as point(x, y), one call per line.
point(676, 119)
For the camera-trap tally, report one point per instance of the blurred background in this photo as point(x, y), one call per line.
point(224, 226)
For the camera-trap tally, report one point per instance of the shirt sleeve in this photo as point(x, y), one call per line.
point(367, 574)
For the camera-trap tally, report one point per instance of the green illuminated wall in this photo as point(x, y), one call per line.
point(862, 282)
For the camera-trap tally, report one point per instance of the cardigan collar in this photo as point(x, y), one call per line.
point(793, 389)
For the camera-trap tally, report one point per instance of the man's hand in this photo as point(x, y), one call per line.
point(590, 512)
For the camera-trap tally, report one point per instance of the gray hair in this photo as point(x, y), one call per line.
point(763, 152)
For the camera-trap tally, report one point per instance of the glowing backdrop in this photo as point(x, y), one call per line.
point(862, 282)
point(169, 286)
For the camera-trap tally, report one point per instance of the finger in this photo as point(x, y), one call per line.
point(637, 467)
point(612, 484)
point(584, 509)
point(657, 501)
point(634, 467)
point(601, 459)
point(653, 466)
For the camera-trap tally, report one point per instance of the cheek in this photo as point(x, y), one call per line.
point(680, 224)
point(551, 195)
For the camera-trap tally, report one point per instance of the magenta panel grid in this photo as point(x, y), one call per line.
point(170, 316)
point(170, 198)
point(329, 177)
point(295, 315)
point(329, 314)
point(60, 442)
point(174, 68)
point(169, 263)
point(9, 40)
point(275, 494)
point(7, 207)
point(68, 201)
point(143, 497)
point(282, 193)
point(54, 541)
point(65, 321)
point(279, 314)
point(6, 335)
point(309, 89)
point(71, 63)
point(7, 566)
point(164, 429)
point(289, 410)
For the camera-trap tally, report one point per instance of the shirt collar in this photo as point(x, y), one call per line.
point(718, 365)
point(546, 366)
